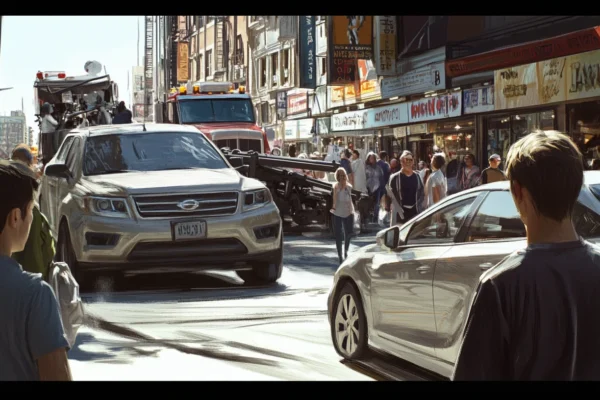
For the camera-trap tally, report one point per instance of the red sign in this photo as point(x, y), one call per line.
point(560, 46)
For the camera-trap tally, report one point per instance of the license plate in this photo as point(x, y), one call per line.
point(189, 230)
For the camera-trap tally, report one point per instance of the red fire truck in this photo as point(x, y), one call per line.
point(224, 114)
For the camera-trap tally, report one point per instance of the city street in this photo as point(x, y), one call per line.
point(212, 327)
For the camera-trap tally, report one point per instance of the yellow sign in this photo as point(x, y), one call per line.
point(183, 61)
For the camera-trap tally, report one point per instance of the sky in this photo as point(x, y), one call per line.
point(54, 43)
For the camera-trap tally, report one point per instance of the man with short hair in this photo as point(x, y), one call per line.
point(535, 314)
point(32, 339)
point(492, 173)
point(40, 248)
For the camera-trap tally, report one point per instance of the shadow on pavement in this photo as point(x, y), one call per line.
point(89, 348)
point(188, 287)
point(385, 367)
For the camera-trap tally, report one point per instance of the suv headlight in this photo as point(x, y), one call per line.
point(254, 199)
point(107, 206)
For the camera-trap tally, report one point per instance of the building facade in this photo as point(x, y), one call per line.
point(13, 131)
point(475, 84)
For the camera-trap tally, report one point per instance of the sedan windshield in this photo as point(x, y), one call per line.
point(203, 110)
point(149, 152)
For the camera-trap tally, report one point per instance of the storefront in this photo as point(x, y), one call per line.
point(446, 129)
point(301, 133)
point(583, 108)
point(370, 129)
point(533, 91)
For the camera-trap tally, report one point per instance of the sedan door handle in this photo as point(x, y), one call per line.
point(424, 269)
point(486, 265)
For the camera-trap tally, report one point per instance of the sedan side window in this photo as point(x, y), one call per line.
point(442, 226)
point(497, 218)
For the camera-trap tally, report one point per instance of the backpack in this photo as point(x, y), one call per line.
point(40, 248)
point(70, 304)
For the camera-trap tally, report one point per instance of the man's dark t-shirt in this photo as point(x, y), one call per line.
point(345, 163)
point(490, 175)
point(536, 317)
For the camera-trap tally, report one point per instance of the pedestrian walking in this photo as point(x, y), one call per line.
point(492, 173)
point(374, 180)
point(32, 339)
point(406, 190)
point(343, 212)
point(468, 173)
point(535, 314)
point(436, 185)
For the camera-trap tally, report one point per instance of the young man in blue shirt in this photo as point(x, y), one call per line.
point(33, 345)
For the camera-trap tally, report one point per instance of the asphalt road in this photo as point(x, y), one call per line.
point(212, 327)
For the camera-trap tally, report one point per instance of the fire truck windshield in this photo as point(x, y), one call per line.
point(202, 110)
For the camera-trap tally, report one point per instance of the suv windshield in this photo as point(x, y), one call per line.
point(216, 110)
point(155, 151)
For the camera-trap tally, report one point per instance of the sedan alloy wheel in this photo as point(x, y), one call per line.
point(349, 329)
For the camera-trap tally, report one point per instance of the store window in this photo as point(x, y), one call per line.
point(504, 130)
point(584, 126)
point(455, 138)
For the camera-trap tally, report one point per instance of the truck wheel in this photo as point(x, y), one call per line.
point(265, 272)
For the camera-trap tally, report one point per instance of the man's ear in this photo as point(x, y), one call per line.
point(517, 191)
point(13, 217)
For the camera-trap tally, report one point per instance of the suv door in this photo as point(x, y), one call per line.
point(401, 281)
point(494, 232)
point(73, 162)
point(49, 201)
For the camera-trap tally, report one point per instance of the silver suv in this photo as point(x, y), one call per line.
point(139, 198)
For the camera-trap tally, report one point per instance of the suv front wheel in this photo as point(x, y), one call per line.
point(264, 272)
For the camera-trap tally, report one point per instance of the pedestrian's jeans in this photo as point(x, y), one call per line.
point(342, 228)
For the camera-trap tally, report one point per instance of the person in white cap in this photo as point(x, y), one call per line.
point(492, 173)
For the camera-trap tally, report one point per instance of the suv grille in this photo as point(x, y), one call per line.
point(168, 205)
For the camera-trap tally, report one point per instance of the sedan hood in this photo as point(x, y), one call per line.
point(181, 181)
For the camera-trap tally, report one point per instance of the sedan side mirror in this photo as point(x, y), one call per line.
point(58, 171)
point(389, 238)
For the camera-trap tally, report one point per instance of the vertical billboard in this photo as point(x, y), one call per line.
point(385, 44)
point(183, 61)
point(350, 39)
point(308, 51)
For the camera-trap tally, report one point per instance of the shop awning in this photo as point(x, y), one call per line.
point(540, 50)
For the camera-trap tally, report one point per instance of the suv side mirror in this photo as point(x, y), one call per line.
point(58, 171)
point(389, 238)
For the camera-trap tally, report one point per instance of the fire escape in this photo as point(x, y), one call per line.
point(148, 70)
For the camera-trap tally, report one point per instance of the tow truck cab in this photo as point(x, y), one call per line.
point(225, 115)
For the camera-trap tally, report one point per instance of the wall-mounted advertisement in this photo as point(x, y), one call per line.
point(297, 102)
point(425, 79)
point(435, 107)
point(307, 52)
point(183, 62)
point(516, 87)
point(281, 105)
point(365, 89)
point(350, 40)
point(371, 118)
point(583, 75)
point(478, 100)
point(385, 44)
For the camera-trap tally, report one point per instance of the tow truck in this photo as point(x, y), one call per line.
point(88, 99)
point(218, 110)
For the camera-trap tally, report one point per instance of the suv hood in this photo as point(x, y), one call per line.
point(182, 181)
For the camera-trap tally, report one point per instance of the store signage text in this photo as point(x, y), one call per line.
point(478, 100)
point(349, 121)
point(584, 76)
point(297, 102)
point(437, 107)
point(385, 44)
point(428, 78)
point(576, 42)
point(395, 114)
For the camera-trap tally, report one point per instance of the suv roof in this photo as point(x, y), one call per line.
point(135, 128)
